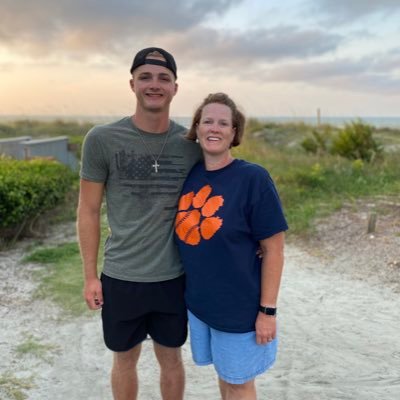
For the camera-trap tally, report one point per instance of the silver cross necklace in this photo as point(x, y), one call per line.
point(155, 159)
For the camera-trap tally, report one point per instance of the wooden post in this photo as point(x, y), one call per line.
point(372, 222)
point(318, 117)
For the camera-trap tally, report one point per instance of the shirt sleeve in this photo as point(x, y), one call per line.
point(266, 214)
point(93, 164)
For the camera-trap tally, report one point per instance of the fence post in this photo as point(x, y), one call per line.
point(372, 222)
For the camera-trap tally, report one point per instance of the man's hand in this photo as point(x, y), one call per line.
point(93, 294)
point(265, 328)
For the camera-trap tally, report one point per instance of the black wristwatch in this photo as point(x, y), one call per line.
point(267, 310)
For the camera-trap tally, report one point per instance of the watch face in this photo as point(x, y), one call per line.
point(268, 310)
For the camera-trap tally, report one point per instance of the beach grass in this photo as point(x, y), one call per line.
point(14, 388)
point(61, 278)
point(313, 186)
point(32, 346)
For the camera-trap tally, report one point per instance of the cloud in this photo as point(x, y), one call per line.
point(387, 62)
point(6, 67)
point(244, 49)
point(308, 50)
point(343, 11)
point(86, 30)
point(367, 75)
point(45, 26)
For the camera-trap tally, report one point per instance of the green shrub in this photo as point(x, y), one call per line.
point(319, 141)
point(28, 188)
point(7, 131)
point(312, 186)
point(58, 127)
point(310, 145)
point(311, 177)
point(254, 125)
point(355, 142)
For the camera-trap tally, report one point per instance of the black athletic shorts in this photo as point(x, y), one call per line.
point(133, 310)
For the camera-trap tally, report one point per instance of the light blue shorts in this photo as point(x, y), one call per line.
point(237, 357)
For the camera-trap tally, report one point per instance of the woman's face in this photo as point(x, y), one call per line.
point(215, 131)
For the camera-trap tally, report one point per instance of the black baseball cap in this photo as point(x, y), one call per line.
point(140, 59)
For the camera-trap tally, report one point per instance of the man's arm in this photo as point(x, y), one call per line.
point(88, 227)
point(271, 273)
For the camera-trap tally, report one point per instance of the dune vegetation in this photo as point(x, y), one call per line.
point(315, 169)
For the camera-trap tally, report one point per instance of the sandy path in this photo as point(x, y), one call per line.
point(339, 340)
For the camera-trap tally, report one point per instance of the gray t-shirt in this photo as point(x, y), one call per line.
point(141, 203)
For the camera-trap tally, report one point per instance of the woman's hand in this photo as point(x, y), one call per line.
point(265, 328)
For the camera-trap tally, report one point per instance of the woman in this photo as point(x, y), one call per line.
point(228, 209)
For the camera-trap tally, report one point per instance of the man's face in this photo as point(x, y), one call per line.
point(154, 87)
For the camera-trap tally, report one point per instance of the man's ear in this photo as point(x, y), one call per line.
point(176, 88)
point(131, 84)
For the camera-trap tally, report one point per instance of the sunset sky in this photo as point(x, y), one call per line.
point(274, 57)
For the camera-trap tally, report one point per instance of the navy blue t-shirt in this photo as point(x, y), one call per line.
point(222, 216)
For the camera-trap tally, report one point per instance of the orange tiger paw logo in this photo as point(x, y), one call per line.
point(195, 219)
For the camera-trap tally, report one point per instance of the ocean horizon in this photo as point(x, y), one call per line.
point(379, 122)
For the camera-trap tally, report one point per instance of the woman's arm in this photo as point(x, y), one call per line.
point(271, 273)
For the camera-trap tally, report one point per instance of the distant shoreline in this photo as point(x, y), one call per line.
point(378, 122)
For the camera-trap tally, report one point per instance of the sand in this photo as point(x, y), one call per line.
point(339, 335)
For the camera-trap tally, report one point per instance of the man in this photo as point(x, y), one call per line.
point(140, 163)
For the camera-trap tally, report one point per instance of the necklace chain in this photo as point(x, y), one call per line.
point(155, 159)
